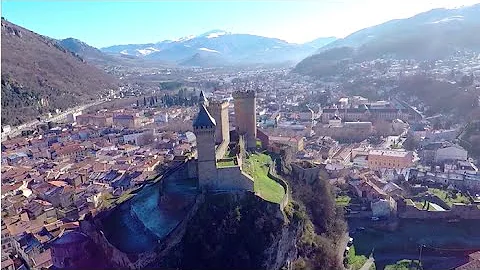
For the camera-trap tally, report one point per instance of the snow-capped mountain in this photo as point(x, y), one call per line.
point(232, 48)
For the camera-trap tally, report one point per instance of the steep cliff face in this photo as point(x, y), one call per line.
point(235, 231)
point(220, 231)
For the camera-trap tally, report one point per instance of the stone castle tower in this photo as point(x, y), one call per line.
point(219, 111)
point(204, 129)
point(246, 116)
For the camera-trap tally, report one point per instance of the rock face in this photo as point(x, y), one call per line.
point(235, 231)
point(221, 231)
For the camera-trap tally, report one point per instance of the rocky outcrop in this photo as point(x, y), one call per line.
point(221, 231)
point(235, 231)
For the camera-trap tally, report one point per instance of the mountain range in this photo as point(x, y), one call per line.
point(435, 34)
point(39, 76)
point(218, 47)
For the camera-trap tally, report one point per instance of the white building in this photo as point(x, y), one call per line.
point(7, 128)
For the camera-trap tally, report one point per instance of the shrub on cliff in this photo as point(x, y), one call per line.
point(324, 225)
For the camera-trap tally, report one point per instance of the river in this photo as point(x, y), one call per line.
point(446, 245)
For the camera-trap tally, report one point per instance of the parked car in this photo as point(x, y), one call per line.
point(360, 229)
point(350, 241)
point(345, 253)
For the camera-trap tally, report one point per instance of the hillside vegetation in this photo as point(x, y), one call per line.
point(435, 34)
point(39, 76)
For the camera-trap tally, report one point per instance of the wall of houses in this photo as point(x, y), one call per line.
point(345, 132)
point(469, 181)
point(456, 212)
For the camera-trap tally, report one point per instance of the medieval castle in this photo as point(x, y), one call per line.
point(212, 130)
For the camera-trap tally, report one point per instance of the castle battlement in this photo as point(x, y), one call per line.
point(210, 131)
point(217, 104)
point(244, 94)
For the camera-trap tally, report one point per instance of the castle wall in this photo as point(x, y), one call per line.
point(232, 178)
point(456, 212)
point(192, 168)
point(207, 173)
point(286, 197)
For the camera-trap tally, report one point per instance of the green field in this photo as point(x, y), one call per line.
point(257, 166)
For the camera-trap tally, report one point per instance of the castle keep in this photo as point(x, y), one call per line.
point(245, 116)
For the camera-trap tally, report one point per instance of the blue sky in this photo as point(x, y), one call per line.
point(104, 23)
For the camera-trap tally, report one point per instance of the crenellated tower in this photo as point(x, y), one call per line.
point(219, 111)
point(246, 116)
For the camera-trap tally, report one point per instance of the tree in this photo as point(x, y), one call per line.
point(410, 144)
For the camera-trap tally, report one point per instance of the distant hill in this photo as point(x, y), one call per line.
point(234, 49)
point(321, 42)
point(96, 57)
point(435, 34)
point(205, 59)
point(85, 51)
point(326, 63)
point(39, 75)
